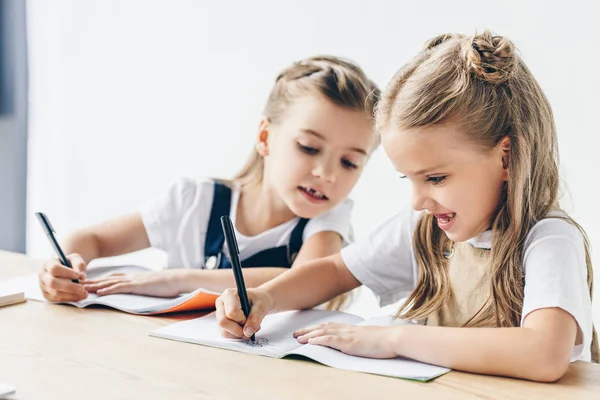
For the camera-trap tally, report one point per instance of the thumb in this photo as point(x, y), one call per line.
point(78, 264)
point(255, 318)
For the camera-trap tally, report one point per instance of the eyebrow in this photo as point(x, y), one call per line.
point(320, 136)
point(426, 170)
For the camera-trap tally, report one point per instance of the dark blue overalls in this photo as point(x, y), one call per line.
point(282, 256)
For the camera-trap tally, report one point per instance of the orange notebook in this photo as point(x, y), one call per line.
point(199, 299)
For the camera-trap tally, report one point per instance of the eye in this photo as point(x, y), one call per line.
point(436, 180)
point(308, 150)
point(348, 164)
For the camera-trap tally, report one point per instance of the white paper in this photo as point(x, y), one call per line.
point(273, 340)
point(396, 367)
point(6, 389)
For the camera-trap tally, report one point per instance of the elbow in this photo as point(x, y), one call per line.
point(549, 374)
point(550, 367)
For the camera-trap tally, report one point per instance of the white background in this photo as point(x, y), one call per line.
point(128, 96)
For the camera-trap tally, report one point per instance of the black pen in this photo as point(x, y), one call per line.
point(45, 222)
point(236, 266)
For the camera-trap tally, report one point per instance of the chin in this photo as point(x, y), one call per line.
point(307, 211)
point(457, 236)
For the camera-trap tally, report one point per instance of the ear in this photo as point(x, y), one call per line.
point(504, 148)
point(262, 144)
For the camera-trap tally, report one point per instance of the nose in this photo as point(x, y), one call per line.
point(420, 199)
point(325, 169)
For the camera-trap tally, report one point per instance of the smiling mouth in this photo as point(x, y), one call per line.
point(445, 218)
point(313, 193)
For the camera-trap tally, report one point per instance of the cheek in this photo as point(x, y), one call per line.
point(490, 191)
point(454, 198)
point(467, 197)
point(294, 166)
point(287, 158)
point(347, 181)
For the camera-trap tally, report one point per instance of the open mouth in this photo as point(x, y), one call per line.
point(444, 219)
point(312, 193)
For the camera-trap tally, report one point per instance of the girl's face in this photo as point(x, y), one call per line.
point(315, 153)
point(452, 179)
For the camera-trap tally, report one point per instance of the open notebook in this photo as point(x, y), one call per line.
point(135, 304)
point(275, 339)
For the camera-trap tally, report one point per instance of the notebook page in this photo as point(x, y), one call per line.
point(273, 340)
point(135, 304)
point(29, 283)
point(396, 367)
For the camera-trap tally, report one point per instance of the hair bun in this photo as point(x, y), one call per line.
point(436, 41)
point(491, 58)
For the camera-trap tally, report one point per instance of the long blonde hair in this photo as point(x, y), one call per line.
point(481, 83)
point(338, 80)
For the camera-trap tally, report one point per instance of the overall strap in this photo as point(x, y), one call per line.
point(296, 240)
point(282, 256)
point(215, 238)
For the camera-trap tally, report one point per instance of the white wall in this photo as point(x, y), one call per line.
point(127, 96)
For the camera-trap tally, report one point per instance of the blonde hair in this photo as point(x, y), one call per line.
point(481, 83)
point(339, 81)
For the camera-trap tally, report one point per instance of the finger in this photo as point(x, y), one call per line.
point(121, 287)
point(56, 296)
point(78, 264)
point(58, 270)
point(255, 318)
point(105, 278)
point(62, 284)
point(328, 340)
point(108, 276)
point(232, 307)
point(229, 329)
point(314, 334)
point(94, 287)
point(304, 331)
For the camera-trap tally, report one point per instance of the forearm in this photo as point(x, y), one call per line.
point(516, 352)
point(310, 284)
point(108, 239)
point(189, 280)
point(83, 243)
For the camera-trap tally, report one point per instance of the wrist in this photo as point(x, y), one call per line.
point(397, 336)
point(183, 280)
point(268, 300)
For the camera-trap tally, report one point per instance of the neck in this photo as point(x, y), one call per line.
point(259, 209)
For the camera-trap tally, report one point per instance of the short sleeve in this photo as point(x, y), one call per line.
point(556, 276)
point(384, 260)
point(166, 217)
point(337, 220)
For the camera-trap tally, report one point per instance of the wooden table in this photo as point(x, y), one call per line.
point(62, 352)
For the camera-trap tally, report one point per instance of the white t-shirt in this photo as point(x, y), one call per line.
point(178, 221)
point(554, 266)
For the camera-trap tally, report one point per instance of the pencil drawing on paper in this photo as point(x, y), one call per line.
point(260, 342)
